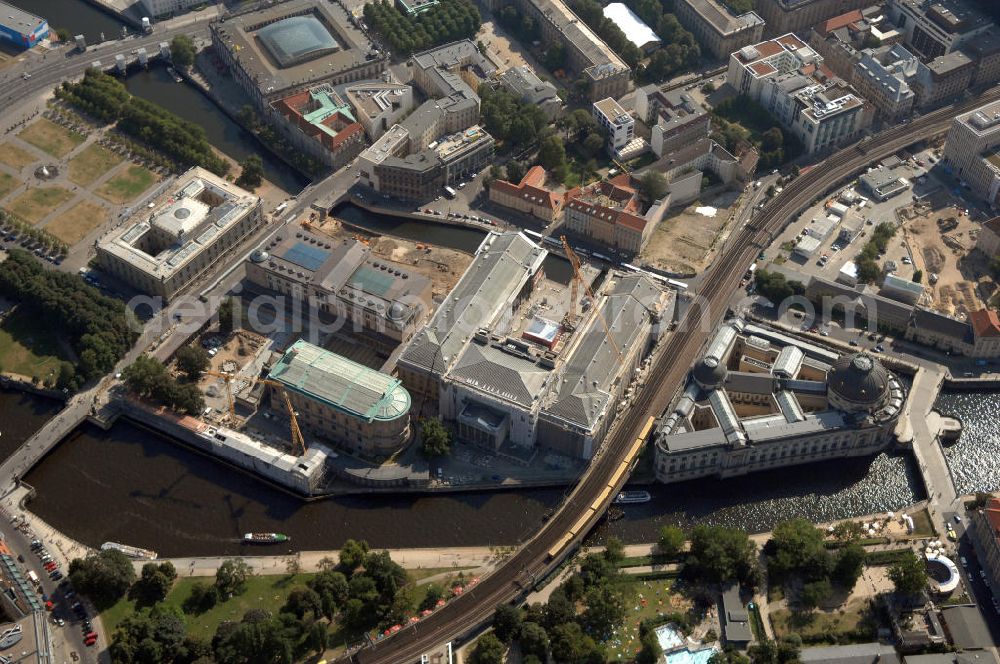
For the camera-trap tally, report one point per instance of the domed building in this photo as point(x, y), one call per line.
point(760, 399)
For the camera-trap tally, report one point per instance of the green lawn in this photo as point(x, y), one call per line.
point(28, 348)
point(92, 162)
point(127, 185)
point(46, 135)
point(35, 204)
point(7, 184)
point(842, 624)
point(643, 599)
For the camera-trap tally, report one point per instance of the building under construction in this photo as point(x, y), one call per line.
point(519, 362)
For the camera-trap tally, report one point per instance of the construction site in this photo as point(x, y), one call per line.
point(940, 240)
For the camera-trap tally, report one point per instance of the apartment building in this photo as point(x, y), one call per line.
point(378, 105)
point(841, 39)
point(608, 213)
point(883, 75)
point(784, 16)
point(716, 29)
point(829, 115)
point(937, 27)
point(675, 119)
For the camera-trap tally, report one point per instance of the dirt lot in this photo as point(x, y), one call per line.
point(687, 240)
point(498, 47)
point(442, 266)
point(942, 240)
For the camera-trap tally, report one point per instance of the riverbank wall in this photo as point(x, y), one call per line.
point(120, 9)
point(990, 384)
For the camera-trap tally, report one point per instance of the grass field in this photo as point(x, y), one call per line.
point(127, 185)
point(92, 162)
point(16, 157)
point(7, 183)
point(823, 626)
point(643, 600)
point(74, 224)
point(28, 348)
point(34, 204)
point(51, 138)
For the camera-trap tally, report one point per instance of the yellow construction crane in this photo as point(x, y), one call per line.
point(574, 261)
point(298, 441)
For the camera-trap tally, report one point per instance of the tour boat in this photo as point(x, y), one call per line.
point(265, 538)
point(174, 75)
point(632, 497)
point(131, 551)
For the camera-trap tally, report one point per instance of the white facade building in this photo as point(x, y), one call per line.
point(617, 122)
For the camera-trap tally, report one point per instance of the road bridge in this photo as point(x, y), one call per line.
point(510, 581)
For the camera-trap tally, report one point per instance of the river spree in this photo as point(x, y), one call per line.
point(23, 415)
point(77, 16)
point(973, 459)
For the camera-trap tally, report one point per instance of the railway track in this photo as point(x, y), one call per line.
point(517, 575)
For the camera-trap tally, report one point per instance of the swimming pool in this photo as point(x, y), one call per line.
point(675, 645)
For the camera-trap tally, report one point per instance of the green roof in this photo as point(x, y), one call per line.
point(327, 107)
point(341, 383)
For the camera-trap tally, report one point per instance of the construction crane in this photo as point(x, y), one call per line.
point(298, 441)
point(574, 261)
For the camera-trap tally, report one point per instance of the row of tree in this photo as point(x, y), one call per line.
point(867, 261)
point(679, 51)
point(105, 98)
point(775, 287)
point(100, 329)
point(30, 235)
point(448, 21)
point(148, 378)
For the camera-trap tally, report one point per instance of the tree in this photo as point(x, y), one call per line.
point(593, 144)
point(814, 592)
point(772, 140)
point(918, 276)
point(302, 601)
point(229, 316)
point(203, 597)
point(193, 361)
point(671, 541)
point(154, 583)
point(604, 611)
point(231, 577)
point(721, 554)
point(506, 622)
point(796, 547)
point(436, 440)
point(104, 576)
point(849, 564)
point(515, 171)
point(614, 551)
point(573, 646)
point(552, 153)
point(353, 554)
point(182, 51)
point(652, 185)
point(534, 640)
point(908, 575)
point(651, 651)
point(434, 594)
point(488, 650)
point(251, 173)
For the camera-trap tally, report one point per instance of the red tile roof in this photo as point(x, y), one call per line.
point(985, 323)
point(531, 188)
point(992, 511)
point(764, 50)
point(837, 22)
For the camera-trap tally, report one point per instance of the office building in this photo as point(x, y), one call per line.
point(617, 124)
point(936, 27)
point(841, 39)
point(523, 83)
point(529, 196)
point(759, 399)
point(716, 29)
point(675, 119)
point(341, 280)
point(829, 115)
point(320, 123)
point(281, 49)
point(883, 183)
point(883, 77)
point(784, 16)
point(165, 7)
point(587, 55)
point(20, 28)
point(453, 70)
point(356, 408)
point(378, 105)
point(637, 32)
point(517, 369)
point(971, 151)
point(163, 248)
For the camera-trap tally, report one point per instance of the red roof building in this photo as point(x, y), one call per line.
point(321, 125)
point(608, 213)
point(529, 196)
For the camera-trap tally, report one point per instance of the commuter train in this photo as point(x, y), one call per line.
point(605, 495)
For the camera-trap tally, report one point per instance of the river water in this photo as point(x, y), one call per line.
point(973, 459)
point(186, 101)
point(77, 16)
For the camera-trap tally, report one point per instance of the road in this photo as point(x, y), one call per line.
point(61, 64)
point(511, 580)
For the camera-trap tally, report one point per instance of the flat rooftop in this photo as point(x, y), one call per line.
point(320, 42)
point(721, 19)
point(579, 34)
point(372, 99)
point(341, 383)
point(18, 19)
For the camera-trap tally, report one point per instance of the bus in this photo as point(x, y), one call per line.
point(449, 192)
